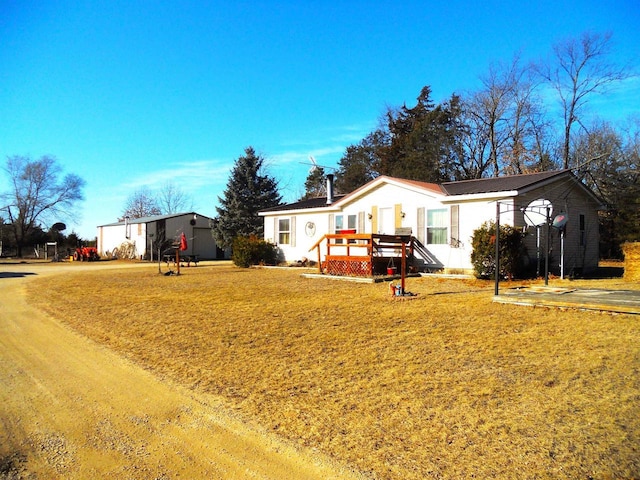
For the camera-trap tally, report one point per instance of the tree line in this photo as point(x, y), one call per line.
point(507, 127)
point(503, 128)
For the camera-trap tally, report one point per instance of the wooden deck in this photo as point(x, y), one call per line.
point(363, 254)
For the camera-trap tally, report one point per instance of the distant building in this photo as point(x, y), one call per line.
point(139, 233)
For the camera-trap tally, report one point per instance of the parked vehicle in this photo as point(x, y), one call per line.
point(88, 254)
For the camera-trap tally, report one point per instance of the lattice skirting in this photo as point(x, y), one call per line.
point(351, 268)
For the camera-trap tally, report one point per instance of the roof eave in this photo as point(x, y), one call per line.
point(328, 208)
point(487, 196)
point(376, 182)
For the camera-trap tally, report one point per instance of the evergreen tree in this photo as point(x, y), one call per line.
point(424, 140)
point(315, 185)
point(360, 162)
point(248, 192)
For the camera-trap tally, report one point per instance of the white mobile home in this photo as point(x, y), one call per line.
point(444, 216)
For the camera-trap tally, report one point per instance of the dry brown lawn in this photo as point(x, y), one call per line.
point(449, 385)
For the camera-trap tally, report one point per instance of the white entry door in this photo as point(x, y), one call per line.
point(386, 222)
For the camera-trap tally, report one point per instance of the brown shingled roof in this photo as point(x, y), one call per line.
point(498, 184)
point(426, 185)
point(315, 202)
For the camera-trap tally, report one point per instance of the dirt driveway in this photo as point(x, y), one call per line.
point(72, 409)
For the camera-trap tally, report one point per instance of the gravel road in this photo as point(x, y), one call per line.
point(72, 409)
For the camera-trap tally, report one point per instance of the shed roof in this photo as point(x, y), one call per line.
point(154, 218)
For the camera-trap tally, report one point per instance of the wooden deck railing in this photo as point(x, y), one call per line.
point(361, 254)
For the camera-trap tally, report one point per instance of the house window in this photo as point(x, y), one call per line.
point(351, 224)
point(437, 226)
point(284, 231)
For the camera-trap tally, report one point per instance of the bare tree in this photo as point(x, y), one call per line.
point(475, 143)
point(525, 123)
point(171, 199)
point(492, 108)
point(37, 194)
point(503, 121)
point(141, 203)
point(580, 69)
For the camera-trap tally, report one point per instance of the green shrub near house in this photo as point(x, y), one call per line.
point(512, 251)
point(251, 250)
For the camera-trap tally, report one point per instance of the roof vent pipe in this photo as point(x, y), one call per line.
point(330, 189)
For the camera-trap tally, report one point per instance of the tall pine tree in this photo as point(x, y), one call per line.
point(315, 185)
point(248, 192)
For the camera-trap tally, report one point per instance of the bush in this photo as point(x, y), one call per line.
point(512, 251)
point(249, 251)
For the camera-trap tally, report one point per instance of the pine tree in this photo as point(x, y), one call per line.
point(248, 192)
point(315, 185)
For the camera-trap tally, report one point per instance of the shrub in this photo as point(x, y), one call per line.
point(512, 251)
point(251, 250)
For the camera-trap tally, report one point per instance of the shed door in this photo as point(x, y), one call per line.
point(203, 243)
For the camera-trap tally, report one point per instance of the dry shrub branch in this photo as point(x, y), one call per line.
point(631, 261)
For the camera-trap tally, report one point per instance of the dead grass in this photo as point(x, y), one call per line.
point(631, 261)
point(449, 385)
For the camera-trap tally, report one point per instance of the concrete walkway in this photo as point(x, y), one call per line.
point(619, 301)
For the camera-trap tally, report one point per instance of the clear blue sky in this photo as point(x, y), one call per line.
point(132, 93)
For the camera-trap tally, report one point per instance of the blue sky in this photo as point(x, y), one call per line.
point(130, 94)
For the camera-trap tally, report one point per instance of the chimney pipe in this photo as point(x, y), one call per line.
point(330, 189)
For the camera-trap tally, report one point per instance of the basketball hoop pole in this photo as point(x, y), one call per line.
point(546, 253)
point(539, 204)
point(496, 290)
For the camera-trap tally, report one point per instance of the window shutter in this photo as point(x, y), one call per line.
point(275, 230)
point(455, 226)
point(292, 232)
point(332, 224)
point(374, 219)
point(398, 215)
point(421, 228)
point(361, 227)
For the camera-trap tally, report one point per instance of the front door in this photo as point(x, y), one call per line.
point(386, 222)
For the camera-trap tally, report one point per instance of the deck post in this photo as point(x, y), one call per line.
point(319, 256)
point(403, 266)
